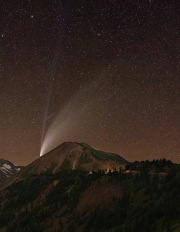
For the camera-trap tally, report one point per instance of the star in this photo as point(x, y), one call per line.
point(104, 74)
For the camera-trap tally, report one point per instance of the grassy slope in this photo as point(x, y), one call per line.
point(105, 155)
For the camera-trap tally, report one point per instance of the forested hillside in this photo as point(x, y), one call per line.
point(81, 201)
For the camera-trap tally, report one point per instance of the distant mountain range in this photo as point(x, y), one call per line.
point(7, 170)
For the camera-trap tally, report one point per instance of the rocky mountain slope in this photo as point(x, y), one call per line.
point(76, 156)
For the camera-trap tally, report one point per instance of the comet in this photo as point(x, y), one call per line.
point(79, 111)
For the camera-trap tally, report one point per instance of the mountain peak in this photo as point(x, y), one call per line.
point(75, 155)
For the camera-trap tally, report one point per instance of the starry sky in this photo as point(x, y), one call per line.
point(102, 72)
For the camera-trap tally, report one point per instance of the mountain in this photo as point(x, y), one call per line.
point(7, 170)
point(77, 201)
point(69, 190)
point(75, 156)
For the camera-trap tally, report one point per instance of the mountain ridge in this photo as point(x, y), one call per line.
point(75, 155)
point(69, 156)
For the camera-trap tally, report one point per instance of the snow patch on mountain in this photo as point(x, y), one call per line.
point(7, 169)
point(7, 166)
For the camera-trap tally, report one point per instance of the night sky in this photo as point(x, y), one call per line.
point(103, 72)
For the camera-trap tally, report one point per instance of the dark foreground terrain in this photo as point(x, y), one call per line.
point(145, 197)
